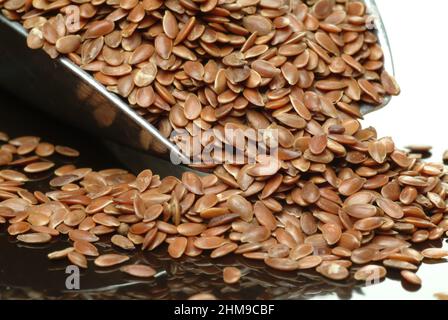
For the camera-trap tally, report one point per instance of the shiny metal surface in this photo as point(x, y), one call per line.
point(378, 27)
point(61, 88)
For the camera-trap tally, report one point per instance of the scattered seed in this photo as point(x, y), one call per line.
point(391, 208)
point(223, 250)
point(45, 149)
point(231, 275)
point(191, 229)
point(398, 264)
point(282, 264)
point(122, 242)
point(177, 248)
point(68, 44)
point(38, 167)
point(85, 248)
point(301, 251)
point(67, 151)
point(435, 253)
point(411, 277)
point(138, 270)
point(82, 235)
point(370, 273)
point(13, 175)
point(333, 271)
point(111, 259)
point(18, 228)
point(318, 144)
point(34, 238)
point(309, 262)
point(205, 243)
point(77, 259)
point(55, 255)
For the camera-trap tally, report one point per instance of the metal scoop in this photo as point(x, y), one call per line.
point(61, 88)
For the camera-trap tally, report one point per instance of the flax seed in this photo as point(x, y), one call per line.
point(258, 24)
point(333, 271)
point(67, 151)
point(85, 248)
point(68, 44)
point(18, 228)
point(122, 242)
point(192, 108)
point(397, 264)
point(38, 167)
point(13, 175)
point(55, 255)
point(231, 275)
point(411, 277)
point(191, 229)
point(137, 270)
point(391, 208)
point(194, 69)
point(301, 251)
point(44, 149)
point(434, 253)
point(177, 248)
point(309, 262)
point(223, 250)
point(77, 259)
point(370, 272)
point(206, 243)
point(34, 238)
point(109, 260)
point(82, 235)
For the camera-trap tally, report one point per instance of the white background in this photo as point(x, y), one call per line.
point(417, 33)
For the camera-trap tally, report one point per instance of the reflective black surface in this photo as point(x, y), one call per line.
point(25, 271)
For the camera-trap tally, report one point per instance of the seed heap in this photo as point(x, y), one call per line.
point(329, 222)
point(335, 196)
point(208, 64)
